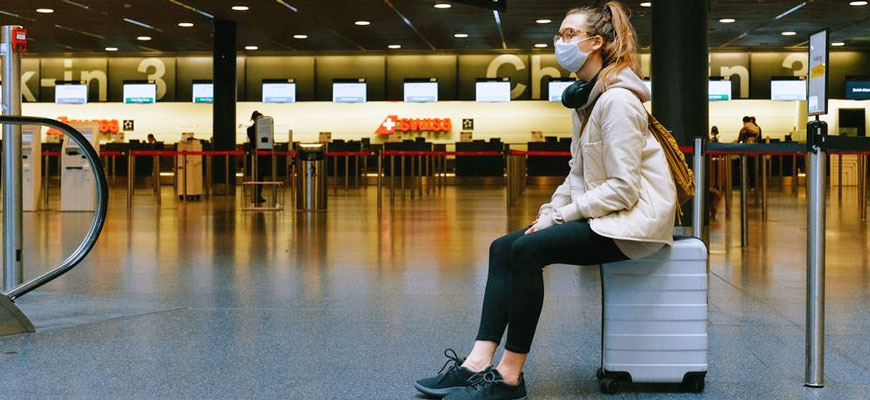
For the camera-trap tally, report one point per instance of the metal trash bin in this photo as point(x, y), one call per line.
point(311, 177)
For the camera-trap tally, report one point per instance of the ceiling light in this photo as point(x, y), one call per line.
point(144, 38)
point(362, 23)
point(395, 46)
point(44, 10)
point(300, 37)
point(111, 49)
point(727, 20)
point(838, 44)
point(185, 24)
point(541, 45)
point(251, 48)
point(543, 21)
point(857, 3)
point(646, 4)
point(460, 35)
point(443, 6)
point(241, 8)
point(789, 33)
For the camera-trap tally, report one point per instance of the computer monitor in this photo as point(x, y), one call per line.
point(140, 92)
point(719, 90)
point(349, 91)
point(203, 91)
point(70, 92)
point(423, 90)
point(279, 90)
point(858, 88)
point(493, 90)
point(556, 87)
point(788, 89)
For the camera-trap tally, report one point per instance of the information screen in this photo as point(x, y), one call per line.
point(421, 91)
point(489, 91)
point(70, 93)
point(788, 90)
point(349, 91)
point(556, 87)
point(279, 91)
point(203, 92)
point(720, 91)
point(858, 88)
point(817, 103)
point(140, 93)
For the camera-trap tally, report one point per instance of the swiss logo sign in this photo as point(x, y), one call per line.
point(393, 124)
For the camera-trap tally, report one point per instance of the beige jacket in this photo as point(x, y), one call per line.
point(619, 177)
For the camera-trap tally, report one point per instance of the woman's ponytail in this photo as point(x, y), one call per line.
point(612, 22)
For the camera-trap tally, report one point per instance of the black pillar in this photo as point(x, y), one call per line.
point(680, 67)
point(680, 74)
point(224, 108)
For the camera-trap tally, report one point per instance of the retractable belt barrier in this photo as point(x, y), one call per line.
point(364, 154)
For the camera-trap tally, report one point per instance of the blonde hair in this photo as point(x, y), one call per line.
point(619, 51)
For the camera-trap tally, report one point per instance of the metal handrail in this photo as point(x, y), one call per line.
point(99, 219)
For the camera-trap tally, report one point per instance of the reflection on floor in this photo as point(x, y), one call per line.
point(202, 300)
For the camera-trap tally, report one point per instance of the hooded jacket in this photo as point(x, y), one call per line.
point(619, 179)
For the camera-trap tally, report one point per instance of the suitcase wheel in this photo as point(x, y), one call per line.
point(608, 385)
point(599, 373)
point(694, 382)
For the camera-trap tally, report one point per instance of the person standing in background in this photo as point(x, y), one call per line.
point(261, 162)
point(714, 134)
point(749, 133)
point(760, 135)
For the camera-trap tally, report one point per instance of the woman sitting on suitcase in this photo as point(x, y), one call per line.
point(618, 202)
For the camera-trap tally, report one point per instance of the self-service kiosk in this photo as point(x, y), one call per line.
point(77, 185)
point(265, 128)
point(31, 166)
point(189, 178)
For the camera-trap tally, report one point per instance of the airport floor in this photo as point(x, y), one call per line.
point(205, 301)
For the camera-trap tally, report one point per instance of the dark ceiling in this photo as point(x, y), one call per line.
point(93, 25)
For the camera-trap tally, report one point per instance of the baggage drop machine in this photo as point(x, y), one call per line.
point(77, 186)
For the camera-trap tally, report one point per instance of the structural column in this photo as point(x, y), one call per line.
point(224, 108)
point(680, 71)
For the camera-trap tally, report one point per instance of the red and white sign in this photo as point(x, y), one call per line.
point(19, 40)
point(393, 124)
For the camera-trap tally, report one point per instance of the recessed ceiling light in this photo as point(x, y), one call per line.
point(362, 23)
point(727, 20)
point(443, 6)
point(251, 47)
point(789, 33)
point(300, 37)
point(838, 44)
point(858, 3)
point(185, 24)
point(395, 46)
point(144, 38)
point(646, 4)
point(460, 35)
point(543, 21)
point(541, 45)
point(241, 8)
point(111, 49)
point(44, 10)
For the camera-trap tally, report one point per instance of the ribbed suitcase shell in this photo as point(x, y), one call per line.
point(654, 322)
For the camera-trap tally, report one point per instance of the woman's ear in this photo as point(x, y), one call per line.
point(597, 42)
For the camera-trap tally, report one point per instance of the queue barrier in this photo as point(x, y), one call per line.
point(364, 154)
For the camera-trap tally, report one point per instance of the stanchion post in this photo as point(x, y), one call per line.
point(840, 177)
point(862, 185)
point(226, 174)
point(184, 180)
point(131, 175)
point(744, 178)
point(815, 324)
point(155, 170)
point(402, 175)
point(208, 175)
point(392, 179)
point(729, 185)
point(346, 172)
point(380, 179)
point(763, 160)
point(700, 188)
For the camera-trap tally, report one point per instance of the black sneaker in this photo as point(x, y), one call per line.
point(489, 385)
point(455, 378)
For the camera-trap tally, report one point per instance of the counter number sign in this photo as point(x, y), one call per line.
point(128, 125)
point(468, 124)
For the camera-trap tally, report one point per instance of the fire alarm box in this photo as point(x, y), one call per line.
point(19, 40)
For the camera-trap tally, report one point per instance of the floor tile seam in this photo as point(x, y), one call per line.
point(101, 321)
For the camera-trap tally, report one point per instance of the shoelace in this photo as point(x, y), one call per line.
point(482, 380)
point(451, 357)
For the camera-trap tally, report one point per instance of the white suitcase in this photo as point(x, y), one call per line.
point(654, 318)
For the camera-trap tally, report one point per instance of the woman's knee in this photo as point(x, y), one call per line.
point(524, 252)
point(501, 245)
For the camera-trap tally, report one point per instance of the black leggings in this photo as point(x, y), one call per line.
point(515, 285)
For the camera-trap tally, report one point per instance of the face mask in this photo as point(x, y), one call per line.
point(569, 54)
point(576, 95)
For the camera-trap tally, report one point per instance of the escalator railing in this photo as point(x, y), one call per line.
point(102, 205)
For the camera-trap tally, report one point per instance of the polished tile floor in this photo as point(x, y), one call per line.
point(205, 301)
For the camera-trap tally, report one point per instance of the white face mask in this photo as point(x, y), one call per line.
point(569, 54)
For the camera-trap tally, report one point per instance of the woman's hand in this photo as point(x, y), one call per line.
point(544, 221)
point(532, 227)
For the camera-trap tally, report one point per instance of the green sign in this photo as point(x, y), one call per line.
point(138, 100)
point(206, 100)
point(718, 97)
